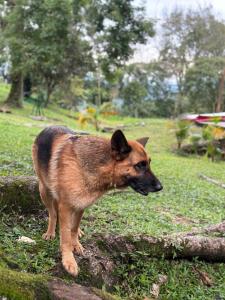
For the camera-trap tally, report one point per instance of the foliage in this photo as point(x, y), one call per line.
point(114, 27)
point(134, 95)
point(181, 131)
point(56, 39)
point(159, 91)
point(153, 94)
point(91, 114)
point(211, 134)
point(201, 83)
point(195, 139)
point(186, 37)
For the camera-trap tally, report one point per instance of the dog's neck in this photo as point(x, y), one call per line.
point(95, 157)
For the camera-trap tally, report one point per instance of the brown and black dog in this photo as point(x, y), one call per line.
point(74, 171)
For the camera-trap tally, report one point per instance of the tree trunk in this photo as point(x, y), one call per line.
point(219, 100)
point(136, 112)
point(50, 85)
point(48, 94)
point(98, 102)
point(15, 96)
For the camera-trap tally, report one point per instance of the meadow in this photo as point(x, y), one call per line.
point(186, 202)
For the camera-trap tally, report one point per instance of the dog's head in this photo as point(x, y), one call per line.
point(132, 166)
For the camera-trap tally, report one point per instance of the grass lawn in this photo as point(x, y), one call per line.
point(186, 202)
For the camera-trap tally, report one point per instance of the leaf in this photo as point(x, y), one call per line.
point(204, 277)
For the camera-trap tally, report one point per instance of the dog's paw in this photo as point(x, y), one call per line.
point(78, 248)
point(80, 233)
point(48, 235)
point(70, 266)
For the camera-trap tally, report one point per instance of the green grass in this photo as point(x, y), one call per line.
point(186, 202)
point(4, 89)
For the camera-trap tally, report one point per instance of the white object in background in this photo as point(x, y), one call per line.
point(25, 239)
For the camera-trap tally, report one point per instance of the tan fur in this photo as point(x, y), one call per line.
point(80, 171)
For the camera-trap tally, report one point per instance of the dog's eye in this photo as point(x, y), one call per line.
point(141, 166)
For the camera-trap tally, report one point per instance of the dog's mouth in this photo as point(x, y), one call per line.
point(144, 193)
point(139, 190)
point(144, 188)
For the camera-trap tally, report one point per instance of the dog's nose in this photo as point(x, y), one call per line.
point(158, 187)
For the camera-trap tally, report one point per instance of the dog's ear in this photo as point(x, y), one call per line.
point(119, 145)
point(143, 141)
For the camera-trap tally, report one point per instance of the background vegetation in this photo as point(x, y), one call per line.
point(76, 53)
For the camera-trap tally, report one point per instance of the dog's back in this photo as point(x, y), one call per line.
point(45, 145)
point(44, 142)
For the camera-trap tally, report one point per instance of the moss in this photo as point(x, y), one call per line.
point(6, 261)
point(19, 286)
point(19, 192)
point(105, 295)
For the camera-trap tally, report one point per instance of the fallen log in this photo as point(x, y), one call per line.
point(211, 180)
point(206, 248)
point(19, 193)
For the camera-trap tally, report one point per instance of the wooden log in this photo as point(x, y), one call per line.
point(206, 248)
point(211, 180)
point(19, 193)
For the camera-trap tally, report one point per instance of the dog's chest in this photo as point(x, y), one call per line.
point(85, 199)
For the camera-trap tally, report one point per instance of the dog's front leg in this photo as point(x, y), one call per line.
point(65, 222)
point(77, 216)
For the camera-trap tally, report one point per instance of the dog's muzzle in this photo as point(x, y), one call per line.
point(145, 183)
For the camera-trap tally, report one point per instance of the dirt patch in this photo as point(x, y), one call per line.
point(179, 219)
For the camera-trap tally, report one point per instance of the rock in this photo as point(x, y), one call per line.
point(25, 239)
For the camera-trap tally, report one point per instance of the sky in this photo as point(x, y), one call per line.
point(157, 8)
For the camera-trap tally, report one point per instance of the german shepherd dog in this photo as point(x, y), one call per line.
point(75, 170)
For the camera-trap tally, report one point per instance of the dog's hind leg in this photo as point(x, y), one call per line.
point(75, 232)
point(51, 205)
point(65, 223)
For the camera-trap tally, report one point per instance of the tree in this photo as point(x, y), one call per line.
point(134, 95)
point(160, 93)
point(187, 36)
point(44, 44)
point(113, 28)
point(52, 39)
point(219, 98)
point(13, 25)
point(158, 98)
point(56, 42)
point(202, 83)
